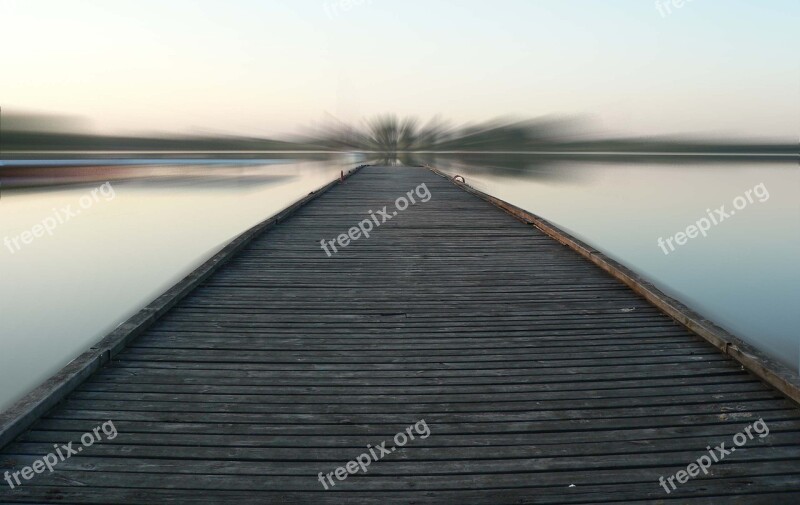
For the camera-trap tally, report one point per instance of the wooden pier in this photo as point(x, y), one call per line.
point(541, 376)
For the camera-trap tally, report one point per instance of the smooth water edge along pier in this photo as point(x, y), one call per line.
point(542, 377)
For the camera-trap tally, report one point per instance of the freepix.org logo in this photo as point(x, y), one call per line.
point(59, 216)
point(720, 214)
point(365, 227)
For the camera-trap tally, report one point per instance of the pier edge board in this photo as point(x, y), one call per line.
point(771, 371)
point(25, 411)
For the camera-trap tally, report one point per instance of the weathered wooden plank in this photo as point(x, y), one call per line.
point(532, 474)
point(533, 368)
point(24, 412)
point(200, 434)
point(210, 447)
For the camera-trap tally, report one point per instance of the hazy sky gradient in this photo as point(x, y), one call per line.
point(264, 67)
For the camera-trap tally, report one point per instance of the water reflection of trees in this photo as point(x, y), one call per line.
point(494, 164)
point(528, 148)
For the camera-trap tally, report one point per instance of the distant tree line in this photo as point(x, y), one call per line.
point(385, 134)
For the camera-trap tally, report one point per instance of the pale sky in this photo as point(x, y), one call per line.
point(728, 67)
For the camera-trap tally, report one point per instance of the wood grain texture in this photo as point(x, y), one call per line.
point(542, 378)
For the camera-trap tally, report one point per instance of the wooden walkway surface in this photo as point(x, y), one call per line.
point(541, 378)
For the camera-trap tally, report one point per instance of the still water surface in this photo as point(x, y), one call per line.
point(743, 274)
point(63, 292)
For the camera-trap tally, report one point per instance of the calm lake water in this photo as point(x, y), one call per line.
point(63, 292)
point(743, 274)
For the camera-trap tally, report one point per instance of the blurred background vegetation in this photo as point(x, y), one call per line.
point(23, 134)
